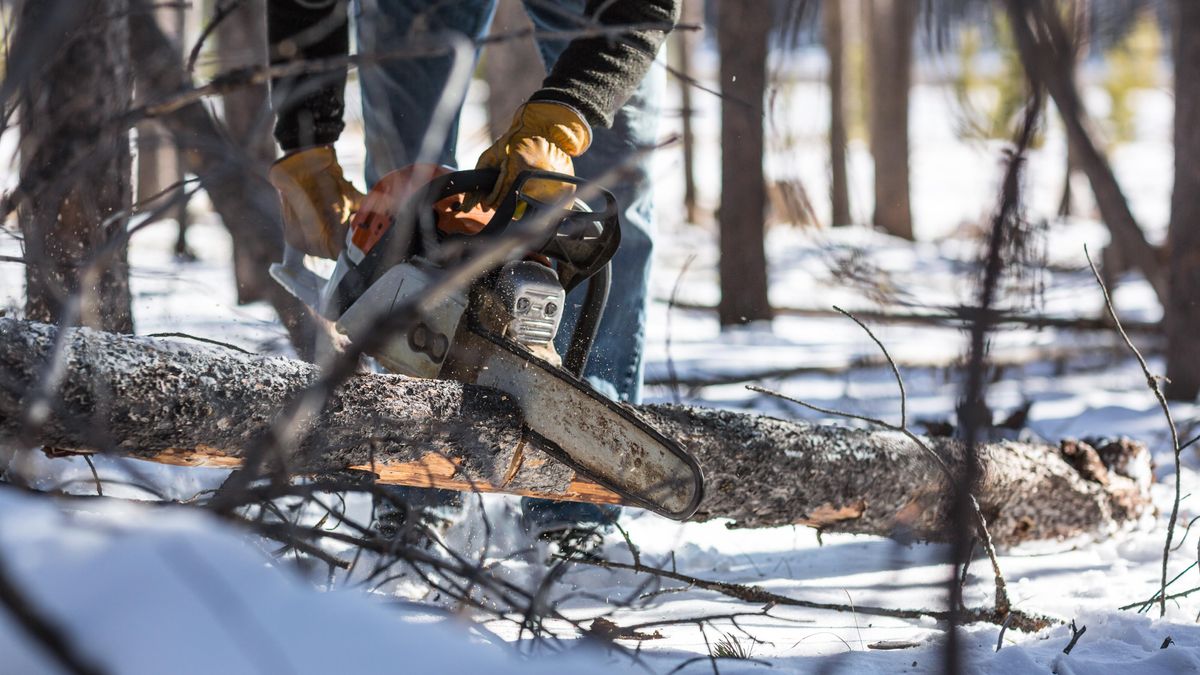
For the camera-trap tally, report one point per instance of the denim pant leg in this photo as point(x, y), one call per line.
point(400, 95)
point(618, 160)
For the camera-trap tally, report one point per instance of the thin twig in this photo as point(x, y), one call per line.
point(222, 12)
point(1152, 383)
point(1002, 600)
point(964, 506)
point(670, 316)
point(1003, 628)
point(757, 594)
point(95, 475)
point(1186, 531)
point(1075, 635)
point(205, 340)
point(42, 629)
point(1146, 604)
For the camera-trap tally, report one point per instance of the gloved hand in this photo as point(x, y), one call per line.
point(318, 202)
point(544, 135)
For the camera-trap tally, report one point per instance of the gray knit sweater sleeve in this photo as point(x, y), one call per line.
point(597, 74)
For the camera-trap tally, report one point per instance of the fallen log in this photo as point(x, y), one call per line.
point(1000, 359)
point(200, 405)
point(949, 316)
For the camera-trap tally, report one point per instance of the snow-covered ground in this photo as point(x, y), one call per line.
point(143, 591)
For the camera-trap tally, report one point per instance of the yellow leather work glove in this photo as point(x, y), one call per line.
point(318, 202)
point(543, 135)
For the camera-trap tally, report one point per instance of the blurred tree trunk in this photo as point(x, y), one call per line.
point(513, 68)
point(242, 42)
point(742, 30)
point(1183, 309)
point(891, 27)
point(179, 16)
point(680, 51)
point(241, 196)
point(835, 47)
point(1079, 16)
point(1045, 50)
point(158, 162)
point(76, 166)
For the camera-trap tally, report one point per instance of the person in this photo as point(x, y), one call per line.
point(595, 116)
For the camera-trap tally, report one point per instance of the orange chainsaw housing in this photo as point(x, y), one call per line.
point(392, 192)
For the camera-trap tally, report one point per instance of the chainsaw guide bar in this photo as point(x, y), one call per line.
point(608, 443)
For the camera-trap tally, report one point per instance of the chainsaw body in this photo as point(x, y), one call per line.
point(500, 330)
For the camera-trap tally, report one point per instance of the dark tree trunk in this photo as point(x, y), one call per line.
point(835, 47)
point(742, 31)
point(1183, 309)
point(1080, 17)
point(160, 401)
point(513, 68)
point(246, 202)
point(242, 42)
point(892, 23)
point(1046, 53)
point(158, 168)
point(76, 166)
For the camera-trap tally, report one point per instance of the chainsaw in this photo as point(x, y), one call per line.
point(500, 330)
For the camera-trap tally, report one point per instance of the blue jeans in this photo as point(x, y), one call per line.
point(399, 98)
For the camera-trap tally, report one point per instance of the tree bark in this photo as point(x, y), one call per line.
point(1047, 55)
point(241, 195)
point(513, 68)
point(892, 24)
point(835, 47)
point(1182, 315)
point(158, 162)
point(242, 41)
point(680, 52)
point(742, 35)
point(72, 221)
point(187, 405)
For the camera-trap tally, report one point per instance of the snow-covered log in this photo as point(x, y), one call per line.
point(185, 404)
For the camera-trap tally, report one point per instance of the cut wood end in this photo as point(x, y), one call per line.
point(829, 514)
point(432, 471)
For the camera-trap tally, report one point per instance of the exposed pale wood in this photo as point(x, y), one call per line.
point(431, 471)
point(142, 398)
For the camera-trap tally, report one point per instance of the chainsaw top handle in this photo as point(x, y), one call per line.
point(580, 240)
